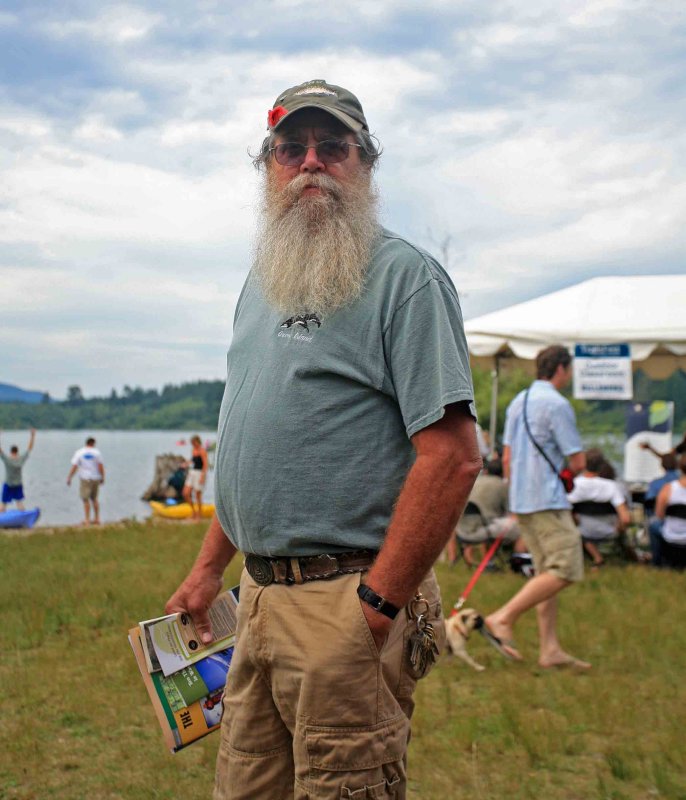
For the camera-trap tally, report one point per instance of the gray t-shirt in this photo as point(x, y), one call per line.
point(313, 443)
point(13, 465)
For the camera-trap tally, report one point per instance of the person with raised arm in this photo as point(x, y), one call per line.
point(13, 487)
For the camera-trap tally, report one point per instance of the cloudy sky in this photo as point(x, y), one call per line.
point(529, 145)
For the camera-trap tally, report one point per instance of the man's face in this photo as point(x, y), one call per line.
point(319, 219)
point(565, 374)
point(309, 127)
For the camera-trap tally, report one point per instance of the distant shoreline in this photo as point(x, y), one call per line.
point(50, 530)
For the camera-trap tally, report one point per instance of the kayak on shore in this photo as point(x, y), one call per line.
point(14, 518)
point(179, 510)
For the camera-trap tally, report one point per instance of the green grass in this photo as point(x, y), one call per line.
point(77, 724)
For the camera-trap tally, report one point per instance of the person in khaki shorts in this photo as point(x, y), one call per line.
point(540, 432)
point(346, 452)
point(87, 461)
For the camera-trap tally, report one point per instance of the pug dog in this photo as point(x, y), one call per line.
point(457, 630)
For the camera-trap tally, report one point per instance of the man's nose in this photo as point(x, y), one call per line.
point(312, 162)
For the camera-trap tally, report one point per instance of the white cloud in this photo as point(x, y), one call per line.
point(61, 195)
point(94, 128)
point(23, 125)
point(179, 133)
point(600, 12)
point(542, 138)
point(120, 24)
point(472, 123)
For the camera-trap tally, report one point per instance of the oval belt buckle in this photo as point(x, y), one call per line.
point(260, 569)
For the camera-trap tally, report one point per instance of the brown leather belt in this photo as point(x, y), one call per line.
point(265, 570)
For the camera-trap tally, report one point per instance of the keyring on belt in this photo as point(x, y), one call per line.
point(418, 606)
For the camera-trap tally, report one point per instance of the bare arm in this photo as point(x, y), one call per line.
point(101, 470)
point(32, 439)
point(204, 581)
point(648, 446)
point(624, 516)
point(577, 462)
point(662, 501)
point(203, 454)
point(507, 461)
point(431, 500)
point(72, 472)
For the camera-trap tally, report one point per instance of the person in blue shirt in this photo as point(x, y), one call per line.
point(669, 465)
point(540, 433)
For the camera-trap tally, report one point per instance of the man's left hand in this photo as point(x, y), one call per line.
point(379, 625)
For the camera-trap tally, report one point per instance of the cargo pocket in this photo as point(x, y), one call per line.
point(361, 763)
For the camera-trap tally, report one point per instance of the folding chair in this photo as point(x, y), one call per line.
point(674, 555)
point(615, 545)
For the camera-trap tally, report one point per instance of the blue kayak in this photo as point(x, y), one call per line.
point(19, 519)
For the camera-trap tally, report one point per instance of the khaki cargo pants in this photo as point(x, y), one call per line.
point(312, 710)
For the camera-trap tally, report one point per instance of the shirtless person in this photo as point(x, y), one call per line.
point(12, 488)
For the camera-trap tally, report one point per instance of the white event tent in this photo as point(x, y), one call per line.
point(648, 312)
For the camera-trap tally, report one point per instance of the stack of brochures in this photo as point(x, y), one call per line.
point(184, 677)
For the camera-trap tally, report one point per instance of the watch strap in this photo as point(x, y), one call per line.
point(378, 603)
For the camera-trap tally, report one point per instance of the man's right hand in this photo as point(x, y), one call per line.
point(379, 625)
point(195, 595)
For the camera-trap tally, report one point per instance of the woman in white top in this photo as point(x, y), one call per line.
point(599, 506)
point(670, 506)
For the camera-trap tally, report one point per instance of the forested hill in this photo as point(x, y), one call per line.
point(196, 405)
point(191, 405)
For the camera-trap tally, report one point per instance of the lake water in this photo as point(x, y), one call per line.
point(129, 458)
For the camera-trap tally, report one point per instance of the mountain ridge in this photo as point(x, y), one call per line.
point(9, 393)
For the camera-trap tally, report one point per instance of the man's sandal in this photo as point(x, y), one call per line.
point(506, 647)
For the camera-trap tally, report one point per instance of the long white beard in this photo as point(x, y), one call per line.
point(312, 251)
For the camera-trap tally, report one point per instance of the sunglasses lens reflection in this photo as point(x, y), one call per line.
point(292, 154)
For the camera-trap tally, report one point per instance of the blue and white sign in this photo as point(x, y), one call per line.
point(603, 372)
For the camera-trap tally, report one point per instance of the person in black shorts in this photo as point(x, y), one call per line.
point(195, 479)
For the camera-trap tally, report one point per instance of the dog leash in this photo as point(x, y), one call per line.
point(477, 574)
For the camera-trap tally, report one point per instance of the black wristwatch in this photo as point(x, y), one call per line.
point(378, 603)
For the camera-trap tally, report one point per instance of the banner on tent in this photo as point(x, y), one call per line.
point(652, 424)
point(603, 372)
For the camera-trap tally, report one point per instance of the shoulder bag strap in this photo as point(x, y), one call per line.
point(531, 436)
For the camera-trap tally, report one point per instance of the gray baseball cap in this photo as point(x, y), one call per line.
point(339, 102)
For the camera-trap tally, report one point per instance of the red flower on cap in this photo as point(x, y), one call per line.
point(275, 114)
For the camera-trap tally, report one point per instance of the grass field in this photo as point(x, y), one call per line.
point(76, 723)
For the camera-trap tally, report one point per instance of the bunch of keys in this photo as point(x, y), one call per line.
point(423, 649)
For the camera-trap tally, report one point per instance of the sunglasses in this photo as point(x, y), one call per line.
point(330, 151)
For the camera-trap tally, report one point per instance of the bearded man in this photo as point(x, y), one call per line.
point(346, 453)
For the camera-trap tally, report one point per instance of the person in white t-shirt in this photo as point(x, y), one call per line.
point(599, 506)
point(87, 461)
point(670, 507)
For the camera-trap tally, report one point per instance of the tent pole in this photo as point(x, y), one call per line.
point(493, 427)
